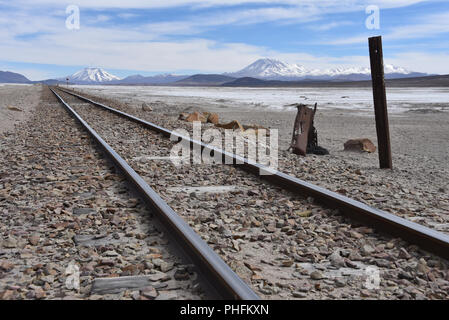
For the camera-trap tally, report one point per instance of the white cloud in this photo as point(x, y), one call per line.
point(158, 56)
point(197, 54)
point(35, 74)
point(421, 61)
point(425, 62)
point(127, 15)
point(331, 25)
point(297, 11)
point(30, 73)
point(101, 18)
point(360, 39)
point(145, 48)
point(429, 25)
point(148, 4)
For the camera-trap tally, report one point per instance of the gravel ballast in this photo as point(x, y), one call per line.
point(284, 246)
point(65, 211)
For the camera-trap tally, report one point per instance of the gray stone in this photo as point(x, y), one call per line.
point(316, 275)
point(181, 275)
point(340, 282)
point(167, 295)
point(367, 249)
point(405, 275)
point(336, 259)
point(158, 276)
point(149, 292)
point(298, 294)
point(10, 243)
point(166, 266)
point(95, 240)
point(80, 211)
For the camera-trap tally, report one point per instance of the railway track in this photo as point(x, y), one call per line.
point(425, 238)
point(225, 283)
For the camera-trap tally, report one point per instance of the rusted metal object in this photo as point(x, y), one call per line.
point(362, 145)
point(304, 134)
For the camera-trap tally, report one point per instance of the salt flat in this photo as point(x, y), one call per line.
point(400, 99)
point(419, 118)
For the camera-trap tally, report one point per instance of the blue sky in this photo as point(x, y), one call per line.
point(214, 36)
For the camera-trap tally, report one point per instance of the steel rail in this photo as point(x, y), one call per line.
point(426, 238)
point(226, 284)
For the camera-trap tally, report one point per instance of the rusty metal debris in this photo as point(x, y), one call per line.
point(198, 116)
point(13, 108)
point(362, 145)
point(213, 118)
point(305, 135)
point(236, 125)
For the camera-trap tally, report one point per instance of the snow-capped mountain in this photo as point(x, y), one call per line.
point(272, 69)
point(92, 75)
point(265, 69)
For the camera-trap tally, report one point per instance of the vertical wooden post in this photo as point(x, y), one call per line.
point(380, 102)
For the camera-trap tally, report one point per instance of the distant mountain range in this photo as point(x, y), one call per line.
point(260, 72)
point(264, 69)
point(205, 79)
point(11, 77)
point(271, 69)
point(422, 82)
point(157, 79)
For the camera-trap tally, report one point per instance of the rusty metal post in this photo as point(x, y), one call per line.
point(380, 102)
